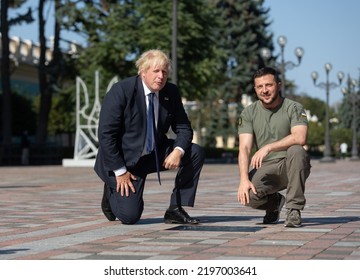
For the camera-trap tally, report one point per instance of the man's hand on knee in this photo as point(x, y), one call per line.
point(124, 183)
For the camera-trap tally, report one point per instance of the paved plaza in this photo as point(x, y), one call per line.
point(53, 213)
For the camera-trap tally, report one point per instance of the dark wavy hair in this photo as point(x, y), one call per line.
point(267, 71)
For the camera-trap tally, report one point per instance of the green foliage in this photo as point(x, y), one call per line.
point(218, 43)
point(198, 52)
point(118, 33)
point(111, 39)
point(315, 135)
point(21, 18)
point(340, 135)
point(222, 153)
point(315, 106)
point(127, 28)
point(345, 113)
point(218, 46)
point(62, 114)
point(16, 3)
point(240, 34)
point(212, 122)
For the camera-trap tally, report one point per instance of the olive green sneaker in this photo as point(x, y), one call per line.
point(272, 217)
point(293, 218)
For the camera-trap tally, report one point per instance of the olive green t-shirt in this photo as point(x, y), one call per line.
point(269, 126)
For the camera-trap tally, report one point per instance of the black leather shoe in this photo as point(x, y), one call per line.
point(105, 204)
point(179, 216)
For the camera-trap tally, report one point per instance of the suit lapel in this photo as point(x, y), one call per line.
point(139, 95)
point(163, 108)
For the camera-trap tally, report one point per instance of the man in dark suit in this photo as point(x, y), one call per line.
point(124, 160)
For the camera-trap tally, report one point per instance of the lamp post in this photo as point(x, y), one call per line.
point(351, 93)
point(174, 42)
point(265, 53)
point(327, 85)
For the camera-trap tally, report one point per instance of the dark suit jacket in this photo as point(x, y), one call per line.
point(122, 125)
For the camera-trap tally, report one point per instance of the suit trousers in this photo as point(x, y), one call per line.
point(288, 173)
point(129, 209)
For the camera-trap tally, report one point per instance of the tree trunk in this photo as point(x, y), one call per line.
point(55, 65)
point(5, 78)
point(45, 99)
point(48, 74)
point(198, 123)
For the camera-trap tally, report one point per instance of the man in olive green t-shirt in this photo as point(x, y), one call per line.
point(277, 128)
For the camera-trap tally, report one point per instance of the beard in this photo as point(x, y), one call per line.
point(267, 100)
point(271, 102)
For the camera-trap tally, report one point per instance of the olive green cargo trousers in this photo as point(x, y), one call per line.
point(288, 173)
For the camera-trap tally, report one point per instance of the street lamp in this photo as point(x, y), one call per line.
point(174, 43)
point(351, 93)
point(327, 85)
point(265, 53)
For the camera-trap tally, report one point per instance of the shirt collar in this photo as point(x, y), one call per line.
point(147, 91)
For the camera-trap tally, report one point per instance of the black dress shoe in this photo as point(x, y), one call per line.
point(105, 204)
point(179, 216)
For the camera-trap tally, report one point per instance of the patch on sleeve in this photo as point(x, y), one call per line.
point(303, 114)
point(240, 122)
point(300, 113)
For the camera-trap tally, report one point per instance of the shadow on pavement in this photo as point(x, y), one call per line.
point(206, 219)
point(329, 220)
point(11, 251)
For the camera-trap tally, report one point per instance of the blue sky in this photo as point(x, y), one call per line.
point(328, 30)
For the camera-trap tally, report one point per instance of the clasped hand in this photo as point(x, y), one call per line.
point(124, 182)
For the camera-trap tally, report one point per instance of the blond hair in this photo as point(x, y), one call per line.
point(153, 58)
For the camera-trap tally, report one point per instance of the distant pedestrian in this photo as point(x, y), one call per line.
point(25, 145)
point(343, 149)
point(337, 150)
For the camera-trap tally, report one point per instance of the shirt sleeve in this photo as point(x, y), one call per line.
point(298, 115)
point(245, 124)
point(120, 171)
point(181, 150)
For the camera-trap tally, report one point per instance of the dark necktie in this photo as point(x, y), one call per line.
point(151, 134)
point(150, 124)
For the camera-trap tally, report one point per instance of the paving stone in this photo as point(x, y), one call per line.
point(52, 212)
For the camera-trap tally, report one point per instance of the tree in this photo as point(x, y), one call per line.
point(120, 31)
point(48, 74)
point(197, 49)
point(240, 35)
point(218, 50)
point(110, 31)
point(5, 67)
point(315, 135)
point(5, 76)
point(345, 110)
point(345, 115)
